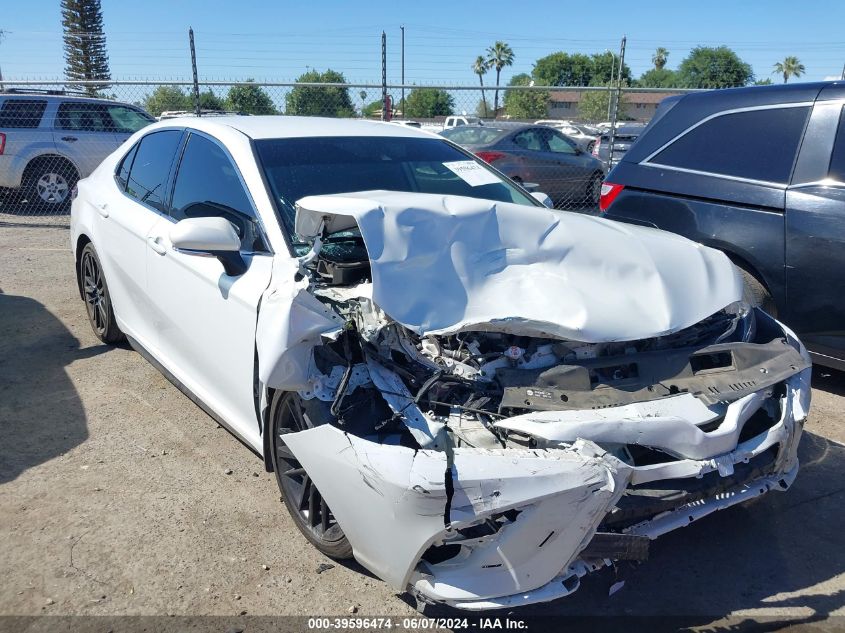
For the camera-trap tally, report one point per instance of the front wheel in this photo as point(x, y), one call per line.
point(98, 303)
point(306, 506)
point(594, 189)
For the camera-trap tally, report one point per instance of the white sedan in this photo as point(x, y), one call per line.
point(479, 398)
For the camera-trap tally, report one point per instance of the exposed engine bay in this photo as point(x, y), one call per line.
point(492, 463)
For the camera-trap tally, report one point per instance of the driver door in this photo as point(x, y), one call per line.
point(206, 319)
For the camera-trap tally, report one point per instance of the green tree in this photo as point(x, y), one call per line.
point(86, 58)
point(763, 82)
point(525, 104)
point(498, 56)
point(249, 99)
point(790, 67)
point(373, 108)
point(482, 109)
point(480, 67)
point(605, 69)
point(210, 101)
point(426, 103)
point(594, 105)
point(659, 58)
point(658, 78)
point(563, 69)
point(167, 98)
point(320, 101)
point(714, 68)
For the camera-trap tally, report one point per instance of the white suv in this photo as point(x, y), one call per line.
point(49, 140)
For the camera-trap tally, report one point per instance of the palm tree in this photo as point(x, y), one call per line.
point(480, 68)
point(790, 67)
point(659, 58)
point(498, 56)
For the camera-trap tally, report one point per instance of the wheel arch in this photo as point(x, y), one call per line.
point(36, 160)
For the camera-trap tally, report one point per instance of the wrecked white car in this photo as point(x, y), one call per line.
point(478, 398)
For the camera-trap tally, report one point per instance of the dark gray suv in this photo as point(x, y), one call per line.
point(760, 174)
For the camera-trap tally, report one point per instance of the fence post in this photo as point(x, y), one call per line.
point(615, 114)
point(194, 68)
point(385, 115)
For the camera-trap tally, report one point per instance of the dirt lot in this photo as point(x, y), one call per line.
point(115, 497)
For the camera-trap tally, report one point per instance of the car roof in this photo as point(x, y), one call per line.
point(282, 126)
point(52, 96)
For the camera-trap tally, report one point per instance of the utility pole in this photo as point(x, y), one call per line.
point(615, 113)
point(403, 70)
point(194, 67)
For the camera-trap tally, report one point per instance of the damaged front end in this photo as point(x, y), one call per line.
point(488, 462)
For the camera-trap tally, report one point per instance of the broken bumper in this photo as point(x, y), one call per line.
point(500, 528)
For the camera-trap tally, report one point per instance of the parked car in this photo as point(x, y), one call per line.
point(758, 173)
point(407, 123)
point(461, 119)
point(49, 140)
point(536, 154)
point(623, 138)
point(584, 141)
point(480, 399)
point(176, 114)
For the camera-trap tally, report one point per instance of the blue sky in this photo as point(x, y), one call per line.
point(237, 39)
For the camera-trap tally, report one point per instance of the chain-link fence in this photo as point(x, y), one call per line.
point(54, 133)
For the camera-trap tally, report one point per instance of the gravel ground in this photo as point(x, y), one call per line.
point(120, 496)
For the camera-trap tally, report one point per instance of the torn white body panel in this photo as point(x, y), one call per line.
point(394, 503)
point(443, 264)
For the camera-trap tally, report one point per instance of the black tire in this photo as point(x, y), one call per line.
point(756, 294)
point(47, 185)
point(593, 193)
point(95, 292)
point(305, 505)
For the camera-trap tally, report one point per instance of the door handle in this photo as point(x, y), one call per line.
point(157, 246)
point(103, 209)
point(69, 139)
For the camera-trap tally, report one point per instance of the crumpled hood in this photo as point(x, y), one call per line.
point(443, 264)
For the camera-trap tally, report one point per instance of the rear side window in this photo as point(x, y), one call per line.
point(207, 185)
point(125, 166)
point(81, 116)
point(22, 112)
point(147, 180)
point(758, 144)
point(837, 159)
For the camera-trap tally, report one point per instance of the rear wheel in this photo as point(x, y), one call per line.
point(48, 183)
point(98, 303)
point(304, 502)
point(594, 189)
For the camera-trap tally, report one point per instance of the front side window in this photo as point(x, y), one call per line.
point(757, 144)
point(81, 116)
point(837, 158)
point(208, 185)
point(299, 167)
point(127, 120)
point(22, 113)
point(150, 169)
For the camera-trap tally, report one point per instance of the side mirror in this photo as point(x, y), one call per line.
point(214, 236)
point(543, 198)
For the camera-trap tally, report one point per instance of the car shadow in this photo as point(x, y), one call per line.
point(41, 414)
point(767, 554)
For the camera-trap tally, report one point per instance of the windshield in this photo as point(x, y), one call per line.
point(299, 167)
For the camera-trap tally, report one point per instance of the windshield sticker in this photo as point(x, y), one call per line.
point(472, 173)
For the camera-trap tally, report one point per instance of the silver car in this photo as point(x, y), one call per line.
point(537, 155)
point(50, 140)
